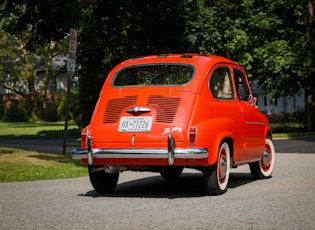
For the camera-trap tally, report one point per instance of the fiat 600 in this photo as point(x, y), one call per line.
point(164, 113)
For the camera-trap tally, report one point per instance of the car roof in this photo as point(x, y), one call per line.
point(186, 57)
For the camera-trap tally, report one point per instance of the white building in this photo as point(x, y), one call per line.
point(56, 84)
point(287, 104)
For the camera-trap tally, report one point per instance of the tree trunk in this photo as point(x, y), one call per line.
point(310, 81)
point(310, 107)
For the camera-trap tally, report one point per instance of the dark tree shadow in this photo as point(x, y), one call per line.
point(188, 185)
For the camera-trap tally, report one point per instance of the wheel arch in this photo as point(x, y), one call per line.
point(269, 134)
point(230, 142)
point(215, 150)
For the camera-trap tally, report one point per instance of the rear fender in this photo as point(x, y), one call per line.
point(211, 133)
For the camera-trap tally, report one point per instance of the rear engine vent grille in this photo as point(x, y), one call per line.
point(115, 107)
point(166, 107)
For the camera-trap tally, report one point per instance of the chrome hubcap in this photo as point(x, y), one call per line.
point(223, 167)
point(266, 158)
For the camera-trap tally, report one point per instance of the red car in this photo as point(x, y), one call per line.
point(167, 112)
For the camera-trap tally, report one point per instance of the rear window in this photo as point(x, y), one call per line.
point(157, 74)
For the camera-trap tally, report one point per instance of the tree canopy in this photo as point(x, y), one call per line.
point(272, 39)
point(33, 33)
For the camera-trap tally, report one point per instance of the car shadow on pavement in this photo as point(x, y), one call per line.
point(187, 186)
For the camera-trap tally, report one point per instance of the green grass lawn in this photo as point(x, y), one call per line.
point(21, 165)
point(37, 129)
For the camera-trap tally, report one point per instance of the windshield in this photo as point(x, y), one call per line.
point(157, 74)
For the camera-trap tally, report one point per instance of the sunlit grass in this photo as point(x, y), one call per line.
point(22, 165)
point(36, 129)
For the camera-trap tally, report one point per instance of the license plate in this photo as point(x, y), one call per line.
point(135, 124)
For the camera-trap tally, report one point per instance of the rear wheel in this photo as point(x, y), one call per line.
point(102, 181)
point(263, 168)
point(216, 176)
point(171, 172)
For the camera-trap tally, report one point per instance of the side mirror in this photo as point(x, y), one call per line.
point(252, 100)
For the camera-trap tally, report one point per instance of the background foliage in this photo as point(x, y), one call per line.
point(272, 39)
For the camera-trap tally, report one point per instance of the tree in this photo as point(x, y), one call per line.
point(261, 35)
point(284, 55)
point(45, 20)
point(8, 56)
point(272, 39)
point(218, 27)
point(308, 62)
point(113, 31)
point(36, 32)
point(19, 69)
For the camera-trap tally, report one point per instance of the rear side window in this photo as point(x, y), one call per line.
point(241, 85)
point(221, 84)
point(157, 74)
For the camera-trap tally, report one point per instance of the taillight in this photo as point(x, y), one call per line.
point(84, 137)
point(192, 135)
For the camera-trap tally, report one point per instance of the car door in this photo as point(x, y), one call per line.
point(252, 118)
point(225, 109)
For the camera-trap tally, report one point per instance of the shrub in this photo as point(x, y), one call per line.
point(50, 113)
point(17, 112)
point(76, 132)
point(2, 113)
point(74, 105)
point(293, 122)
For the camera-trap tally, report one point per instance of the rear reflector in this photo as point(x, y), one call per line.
point(84, 137)
point(192, 135)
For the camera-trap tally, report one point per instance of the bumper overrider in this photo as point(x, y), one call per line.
point(170, 153)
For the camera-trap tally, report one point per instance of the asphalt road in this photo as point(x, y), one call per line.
point(295, 145)
point(40, 145)
point(146, 201)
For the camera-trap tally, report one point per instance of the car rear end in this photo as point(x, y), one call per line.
point(143, 115)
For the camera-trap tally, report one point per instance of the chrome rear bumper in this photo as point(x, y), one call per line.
point(170, 153)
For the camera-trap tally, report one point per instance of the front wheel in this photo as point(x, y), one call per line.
point(102, 181)
point(216, 176)
point(263, 168)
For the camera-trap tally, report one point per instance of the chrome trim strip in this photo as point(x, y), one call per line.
point(255, 123)
point(189, 153)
